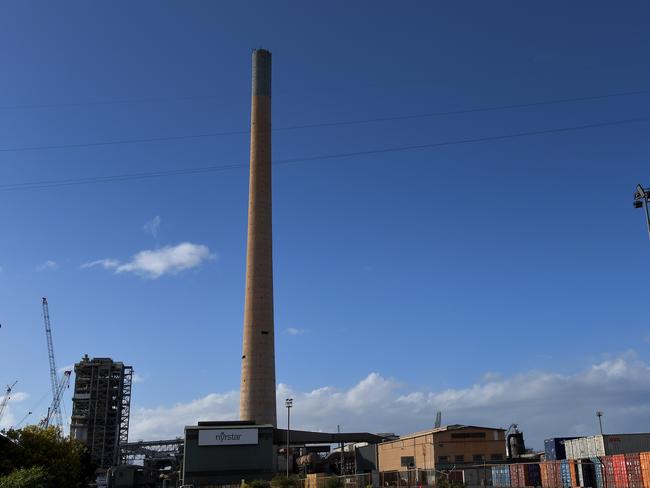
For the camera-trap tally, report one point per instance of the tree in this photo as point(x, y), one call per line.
point(33, 477)
point(66, 461)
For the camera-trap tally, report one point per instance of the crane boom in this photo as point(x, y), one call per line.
point(56, 401)
point(6, 398)
point(50, 352)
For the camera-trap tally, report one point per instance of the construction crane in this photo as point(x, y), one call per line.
point(58, 418)
point(5, 400)
point(55, 406)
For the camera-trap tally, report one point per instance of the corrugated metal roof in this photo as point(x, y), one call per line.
point(445, 428)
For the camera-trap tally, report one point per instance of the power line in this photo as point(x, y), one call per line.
point(33, 185)
point(321, 124)
point(108, 102)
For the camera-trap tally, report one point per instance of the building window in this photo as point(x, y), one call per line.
point(477, 458)
point(459, 458)
point(496, 457)
point(407, 461)
point(442, 459)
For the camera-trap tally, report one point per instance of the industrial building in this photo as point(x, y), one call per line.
point(443, 447)
point(101, 406)
point(225, 452)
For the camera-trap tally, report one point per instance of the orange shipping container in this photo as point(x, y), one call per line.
point(644, 457)
point(620, 471)
point(543, 468)
point(572, 470)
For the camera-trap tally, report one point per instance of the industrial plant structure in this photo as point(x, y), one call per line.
point(100, 408)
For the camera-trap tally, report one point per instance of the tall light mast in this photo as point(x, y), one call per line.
point(56, 414)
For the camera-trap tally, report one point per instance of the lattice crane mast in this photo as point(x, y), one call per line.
point(58, 418)
point(55, 406)
point(6, 398)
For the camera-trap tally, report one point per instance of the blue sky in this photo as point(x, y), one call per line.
point(430, 268)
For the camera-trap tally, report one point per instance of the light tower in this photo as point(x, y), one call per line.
point(257, 393)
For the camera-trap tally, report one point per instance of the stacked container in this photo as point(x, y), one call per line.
point(633, 468)
point(515, 480)
point(644, 459)
point(554, 448)
point(598, 472)
point(568, 473)
point(620, 471)
point(501, 475)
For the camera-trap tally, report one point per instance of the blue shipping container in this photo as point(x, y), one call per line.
point(598, 472)
point(501, 475)
point(554, 449)
point(565, 468)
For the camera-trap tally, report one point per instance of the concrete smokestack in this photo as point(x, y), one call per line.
point(257, 400)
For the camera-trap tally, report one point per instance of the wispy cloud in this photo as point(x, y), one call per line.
point(153, 226)
point(48, 265)
point(620, 387)
point(295, 331)
point(154, 263)
point(137, 378)
point(67, 367)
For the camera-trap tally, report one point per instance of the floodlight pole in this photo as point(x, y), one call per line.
point(599, 414)
point(641, 199)
point(288, 403)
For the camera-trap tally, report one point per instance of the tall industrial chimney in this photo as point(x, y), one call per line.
point(257, 394)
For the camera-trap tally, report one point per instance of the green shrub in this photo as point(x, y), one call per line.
point(33, 477)
point(334, 482)
point(284, 482)
point(259, 484)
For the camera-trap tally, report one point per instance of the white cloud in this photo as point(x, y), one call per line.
point(67, 367)
point(295, 331)
point(168, 422)
point(153, 226)
point(544, 404)
point(138, 378)
point(47, 266)
point(157, 262)
point(13, 414)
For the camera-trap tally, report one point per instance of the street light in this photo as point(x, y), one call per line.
point(600, 414)
point(641, 198)
point(288, 403)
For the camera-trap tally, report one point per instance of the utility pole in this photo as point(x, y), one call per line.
point(288, 403)
point(338, 429)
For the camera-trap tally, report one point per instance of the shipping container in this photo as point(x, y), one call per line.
point(586, 473)
point(554, 448)
point(543, 471)
point(620, 471)
point(514, 476)
point(501, 475)
point(555, 473)
point(532, 476)
point(644, 458)
point(608, 471)
point(633, 468)
point(598, 472)
point(565, 470)
point(606, 445)
point(477, 476)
